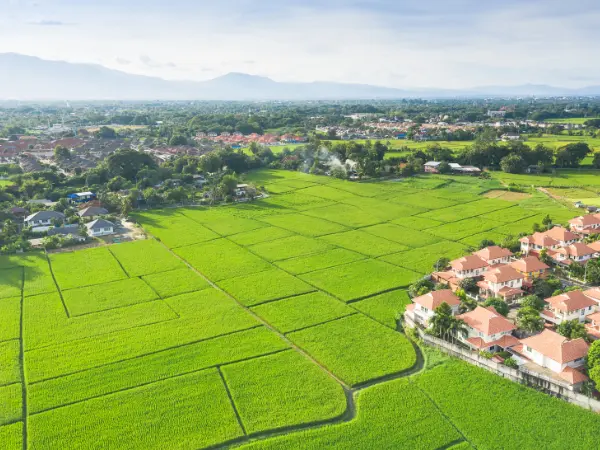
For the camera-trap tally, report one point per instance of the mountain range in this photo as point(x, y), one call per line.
point(25, 77)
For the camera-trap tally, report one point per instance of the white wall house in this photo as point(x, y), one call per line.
point(577, 252)
point(587, 224)
point(494, 255)
point(423, 308)
point(44, 220)
point(100, 227)
point(468, 266)
point(503, 281)
point(537, 242)
point(487, 329)
point(574, 305)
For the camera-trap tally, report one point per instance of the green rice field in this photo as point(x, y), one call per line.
point(267, 325)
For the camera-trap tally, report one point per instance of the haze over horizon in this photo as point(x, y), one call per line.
point(400, 44)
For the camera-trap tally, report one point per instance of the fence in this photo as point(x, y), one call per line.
point(522, 375)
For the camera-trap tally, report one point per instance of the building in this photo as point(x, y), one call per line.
point(468, 266)
point(530, 267)
point(494, 255)
point(423, 308)
point(562, 235)
point(81, 197)
point(487, 329)
point(577, 252)
point(91, 212)
point(43, 220)
point(555, 352)
point(502, 281)
point(573, 305)
point(587, 224)
point(68, 230)
point(100, 227)
point(537, 242)
point(510, 137)
point(431, 167)
point(496, 114)
point(593, 327)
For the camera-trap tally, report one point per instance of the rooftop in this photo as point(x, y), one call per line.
point(493, 252)
point(570, 301)
point(487, 320)
point(502, 274)
point(435, 298)
point(556, 347)
point(529, 264)
point(469, 262)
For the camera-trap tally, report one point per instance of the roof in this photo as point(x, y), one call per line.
point(593, 293)
point(92, 211)
point(573, 376)
point(587, 220)
point(561, 234)
point(594, 246)
point(487, 320)
point(493, 252)
point(435, 298)
point(63, 231)
point(504, 342)
point(469, 262)
point(576, 249)
point(432, 163)
point(529, 264)
point(509, 292)
point(540, 239)
point(100, 223)
point(45, 215)
point(594, 317)
point(570, 301)
point(556, 347)
point(502, 274)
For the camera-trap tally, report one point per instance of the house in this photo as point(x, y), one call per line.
point(562, 235)
point(502, 281)
point(530, 267)
point(423, 308)
point(92, 212)
point(493, 255)
point(593, 327)
point(596, 247)
point(81, 197)
point(100, 227)
point(594, 294)
point(43, 220)
point(537, 242)
point(431, 167)
point(487, 329)
point(67, 230)
point(555, 352)
point(17, 211)
point(510, 137)
point(577, 252)
point(588, 224)
point(240, 190)
point(468, 266)
point(573, 305)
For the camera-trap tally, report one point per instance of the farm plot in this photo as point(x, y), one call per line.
point(174, 229)
point(384, 308)
point(406, 236)
point(222, 259)
point(46, 323)
point(9, 362)
point(455, 231)
point(392, 415)
point(289, 247)
point(100, 297)
point(144, 257)
point(221, 221)
point(327, 192)
point(310, 263)
point(37, 276)
point(152, 367)
point(85, 268)
point(476, 239)
point(260, 235)
point(305, 225)
point(365, 243)
point(464, 211)
point(520, 226)
point(347, 215)
point(296, 201)
point(356, 348)
point(508, 215)
point(11, 280)
point(417, 223)
point(381, 209)
point(10, 312)
point(508, 424)
point(424, 200)
point(11, 436)
point(422, 260)
point(264, 287)
point(11, 397)
point(281, 390)
point(360, 279)
point(175, 282)
point(190, 411)
point(302, 311)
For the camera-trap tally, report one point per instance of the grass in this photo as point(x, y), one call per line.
point(417, 223)
point(364, 243)
point(356, 348)
point(342, 214)
point(384, 308)
point(422, 259)
point(85, 268)
point(463, 228)
point(309, 263)
point(264, 287)
point(289, 247)
point(11, 280)
point(464, 211)
point(304, 225)
point(190, 411)
point(101, 297)
point(222, 223)
point(281, 390)
point(302, 311)
point(10, 311)
point(175, 282)
point(10, 366)
point(360, 279)
point(327, 192)
point(11, 436)
point(174, 229)
point(265, 234)
point(409, 237)
point(475, 239)
point(11, 397)
point(144, 257)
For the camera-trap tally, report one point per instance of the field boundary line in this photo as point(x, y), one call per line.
point(159, 297)
point(323, 323)
point(118, 262)
point(91, 313)
point(449, 445)
point(24, 405)
point(278, 299)
point(364, 257)
point(231, 402)
point(55, 283)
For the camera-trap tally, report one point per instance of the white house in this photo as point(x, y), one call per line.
point(43, 220)
point(502, 281)
point(587, 224)
point(468, 266)
point(574, 305)
point(92, 212)
point(423, 308)
point(487, 329)
point(562, 235)
point(510, 137)
point(577, 252)
point(494, 255)
point(555, 352)
point(537, 242)
point(100, 227)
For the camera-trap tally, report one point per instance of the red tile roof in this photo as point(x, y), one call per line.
point(561, 234)
point(540, 239)
point(556, 347)
point(529, 264)
point(573, 376)
point(502, 274)
point(435, 298)
point(570, 301)
point(493, 252)
point(469, 262)
point(487, 320)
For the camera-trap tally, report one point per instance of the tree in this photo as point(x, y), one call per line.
point(126, 206)
point(529, 319)
point(596, 160)
point(572, 329)
point(468, 285)
point(547, 221)
point(499, 305)
point(441, 264)
point(544, 288)
point(116, 184)
point(420, 287)
point(511, 362)
point(61, 153)
point(178, 139)
point(106, 133)
point(444, 167)
point(127, 163)
point(228, 184)
point(466, 303)
point(544, 257)
point(486, 243)
point(513, 164)
point(533, 301)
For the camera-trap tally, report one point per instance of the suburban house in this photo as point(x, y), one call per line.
point(431, 166)
point(487, 329)
point(562, 235)
point(555, 352)
point(43, 220)
point(494, 255)
point(594, 294)
point(67, 230)
point(468, 266)
point(502, 281)
point(100, 227)
point(91, 212)
point(577, 252)
point(510, 137)
point(593, 327)
point(537, 242)
point(568, 306)
point(423, 308)
point(81, 197)
point(587, 224)
point(595, 246)
point(530, 267)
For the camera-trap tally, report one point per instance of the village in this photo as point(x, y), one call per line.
point(522, 310)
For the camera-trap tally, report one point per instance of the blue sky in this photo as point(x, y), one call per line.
point(429, 43)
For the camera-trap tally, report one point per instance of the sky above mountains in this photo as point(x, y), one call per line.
point(396, 43)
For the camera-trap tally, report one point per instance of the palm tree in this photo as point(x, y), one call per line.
point(531, 323)
point(440, 322)
point(456, 327)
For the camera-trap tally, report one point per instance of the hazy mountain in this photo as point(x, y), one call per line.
point(31, 78)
